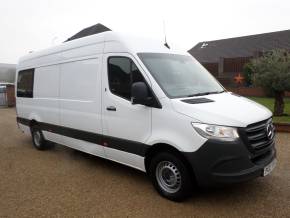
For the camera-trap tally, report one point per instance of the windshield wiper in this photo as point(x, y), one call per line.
point(205, 93)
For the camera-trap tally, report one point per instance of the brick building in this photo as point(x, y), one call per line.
point(225, 58)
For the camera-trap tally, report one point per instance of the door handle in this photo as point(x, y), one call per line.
point(111, 108)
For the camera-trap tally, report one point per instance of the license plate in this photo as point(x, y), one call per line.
point(269, 168)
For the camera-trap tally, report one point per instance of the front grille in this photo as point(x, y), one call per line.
point(260, 135)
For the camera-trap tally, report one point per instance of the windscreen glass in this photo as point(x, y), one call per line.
point(179, 75)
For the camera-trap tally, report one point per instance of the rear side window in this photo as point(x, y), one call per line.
point(122, 72)
point(25, 83)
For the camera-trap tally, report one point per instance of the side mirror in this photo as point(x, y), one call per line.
point(140, 94)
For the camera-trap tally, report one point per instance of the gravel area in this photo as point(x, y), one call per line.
point(65, 183)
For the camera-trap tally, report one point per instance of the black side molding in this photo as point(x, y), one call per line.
point(23, 121)
point(125, 145)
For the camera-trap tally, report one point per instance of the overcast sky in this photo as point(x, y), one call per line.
point(32, 25)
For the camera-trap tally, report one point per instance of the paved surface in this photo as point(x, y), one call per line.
point(66, 183)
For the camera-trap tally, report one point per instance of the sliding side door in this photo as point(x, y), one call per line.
point(80, 105)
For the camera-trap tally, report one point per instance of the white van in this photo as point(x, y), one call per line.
point(150, 107)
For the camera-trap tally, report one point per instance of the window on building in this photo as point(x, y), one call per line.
point(122, 72)
point(25, 83)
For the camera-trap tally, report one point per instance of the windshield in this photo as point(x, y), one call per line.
point(180, 75)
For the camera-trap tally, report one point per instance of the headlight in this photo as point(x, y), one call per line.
point(216, 132)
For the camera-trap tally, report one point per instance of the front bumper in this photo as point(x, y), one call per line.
point(217, 162)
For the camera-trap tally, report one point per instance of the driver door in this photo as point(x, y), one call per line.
point(125, 126)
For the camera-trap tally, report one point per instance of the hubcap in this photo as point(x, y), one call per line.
point(37, 138)
point(168, 176)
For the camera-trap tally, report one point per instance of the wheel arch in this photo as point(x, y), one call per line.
point(160, 147)
point(34, 119)
point(33, 123)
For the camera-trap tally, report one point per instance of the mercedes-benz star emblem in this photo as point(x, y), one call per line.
point(269, 131)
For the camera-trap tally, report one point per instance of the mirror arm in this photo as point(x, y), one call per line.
point(147, 102)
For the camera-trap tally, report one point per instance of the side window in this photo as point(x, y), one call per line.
point(122, 72)
point(25, 83)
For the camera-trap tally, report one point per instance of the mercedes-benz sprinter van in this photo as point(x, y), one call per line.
point(142, 104)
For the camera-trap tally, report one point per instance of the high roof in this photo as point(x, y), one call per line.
point(107, 42)
point(95, 29)
point(245, 46)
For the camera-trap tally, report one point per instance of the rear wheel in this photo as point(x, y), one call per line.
point(170, 176)
point(38, 139)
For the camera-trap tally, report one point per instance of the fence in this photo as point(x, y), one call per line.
point(3, 96)
point(251, 91)
point(7, 96)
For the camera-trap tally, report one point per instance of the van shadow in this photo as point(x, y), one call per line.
point(226, 196)
point(93, 162)
point(90, 161)
point(230, 195)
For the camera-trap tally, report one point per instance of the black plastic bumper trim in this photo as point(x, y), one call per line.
point(217, 163)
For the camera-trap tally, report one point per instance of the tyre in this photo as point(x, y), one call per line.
point(38, 139)
point(171, 177)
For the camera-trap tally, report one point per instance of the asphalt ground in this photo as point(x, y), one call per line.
point(63, 182)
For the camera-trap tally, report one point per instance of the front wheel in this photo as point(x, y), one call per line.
point(170, 176)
